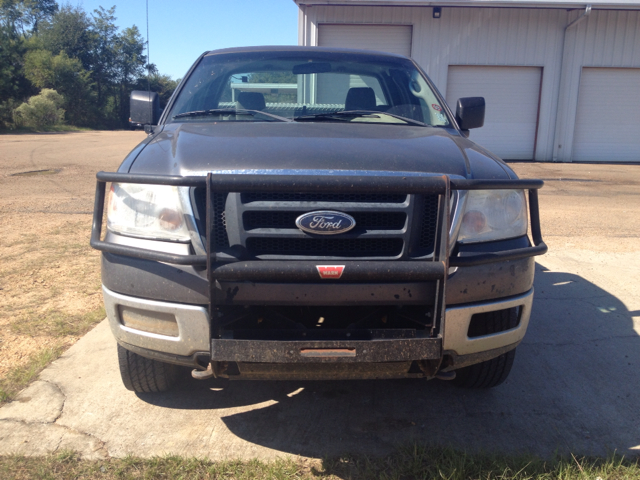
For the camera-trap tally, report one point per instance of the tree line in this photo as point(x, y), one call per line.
point(89, 63)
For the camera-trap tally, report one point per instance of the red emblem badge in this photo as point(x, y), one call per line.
point(330, 271)
point(436, 107)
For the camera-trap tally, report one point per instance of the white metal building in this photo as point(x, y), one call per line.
point(561, 78)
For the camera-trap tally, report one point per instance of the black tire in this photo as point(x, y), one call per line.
point(490, 373)
point(143, 375)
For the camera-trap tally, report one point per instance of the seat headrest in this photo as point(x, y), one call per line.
point(251, 100)
point(360, 98)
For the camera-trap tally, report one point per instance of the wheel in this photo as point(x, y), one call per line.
point(490, 373)
point(143, 375)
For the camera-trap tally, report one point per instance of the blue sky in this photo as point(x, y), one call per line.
point(180, 31)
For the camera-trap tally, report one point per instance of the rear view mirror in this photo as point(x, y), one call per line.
point(311, 67)
point(470, 112)
point(144, 108)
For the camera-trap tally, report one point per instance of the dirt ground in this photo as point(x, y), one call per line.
point(50, 279)
point(592, 207)
point(49, 276)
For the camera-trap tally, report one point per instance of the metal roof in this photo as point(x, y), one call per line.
point(301, 49)
point(600, 4)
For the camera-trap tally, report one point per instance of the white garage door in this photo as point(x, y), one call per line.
point(511, 95)
point(384, 38)
point(608, 116)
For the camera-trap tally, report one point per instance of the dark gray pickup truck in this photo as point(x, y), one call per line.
point(311, 213)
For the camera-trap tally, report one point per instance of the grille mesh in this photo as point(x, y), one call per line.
point(364, 220)
point(335, 247)
point(429, 220)
point(219, 200)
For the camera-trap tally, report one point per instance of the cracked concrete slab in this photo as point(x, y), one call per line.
point(33, 439)
point(41, 402)
point(574, 386)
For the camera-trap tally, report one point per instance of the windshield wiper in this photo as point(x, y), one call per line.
point(360, 113)
point(222, 111)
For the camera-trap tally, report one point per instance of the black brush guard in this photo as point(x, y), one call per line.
point(427, 347)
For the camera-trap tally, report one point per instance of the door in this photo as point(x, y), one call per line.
point(512, 96)
point(383, 38)
point(608, 116)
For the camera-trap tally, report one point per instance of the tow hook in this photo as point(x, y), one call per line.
point(203, 374)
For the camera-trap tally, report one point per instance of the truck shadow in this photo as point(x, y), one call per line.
point(573, 388)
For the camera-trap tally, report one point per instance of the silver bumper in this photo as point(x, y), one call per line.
point(193, 325)
point(457, 320)
point(194, 331)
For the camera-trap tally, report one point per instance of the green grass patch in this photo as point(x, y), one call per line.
point(56, 323)
point(19, 377)
point(410, 463)
point(52, 128)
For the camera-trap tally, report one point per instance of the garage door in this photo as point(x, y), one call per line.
point(384, 38)
point(511, 95)
point(608, 116)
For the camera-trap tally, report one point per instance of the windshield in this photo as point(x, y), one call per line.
point(307, 87)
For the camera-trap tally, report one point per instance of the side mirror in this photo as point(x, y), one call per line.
point(470, 112)
point(144, 108)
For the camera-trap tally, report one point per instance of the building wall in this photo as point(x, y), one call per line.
point(506, 37)
point(606, 38)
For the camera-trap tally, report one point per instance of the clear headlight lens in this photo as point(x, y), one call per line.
point(146, 211)
point(493, 215)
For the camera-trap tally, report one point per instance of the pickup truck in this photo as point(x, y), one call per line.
point(313, 213)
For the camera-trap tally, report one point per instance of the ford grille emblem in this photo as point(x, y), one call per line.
point(325, 222)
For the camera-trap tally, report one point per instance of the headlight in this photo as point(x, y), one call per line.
point(493, 215)
point(146, 211)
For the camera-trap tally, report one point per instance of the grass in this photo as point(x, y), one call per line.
point(52, 128)
point(56, 323)
point(19, 377)
point(51, 285)
point(416, 462)
point(53, 323)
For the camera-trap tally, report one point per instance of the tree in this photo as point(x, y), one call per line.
point(130, 65)
point(12, 81)
point(19, 15)
point(104, 55)
point(163, 85)
point(85, 57)
point(35, 11)
point(67, 76)
point(41, 111)
point(70, 31)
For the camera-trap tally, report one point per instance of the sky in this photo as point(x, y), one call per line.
point(179, 31)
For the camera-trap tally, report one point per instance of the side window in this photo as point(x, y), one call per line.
point(275, 88)
point(428, 101)
point(332, 88)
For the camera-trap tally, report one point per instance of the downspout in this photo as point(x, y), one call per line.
point(585, 14)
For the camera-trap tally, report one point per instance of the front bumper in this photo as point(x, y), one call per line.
point(200, 333)
point(194, 337)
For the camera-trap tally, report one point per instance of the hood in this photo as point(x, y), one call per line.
point(196, 148)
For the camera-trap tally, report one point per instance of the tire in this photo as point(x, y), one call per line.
point(490, 373)
point(143, 375)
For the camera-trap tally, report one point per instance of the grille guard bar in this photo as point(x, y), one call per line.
point(434, 185)
point(372, 271)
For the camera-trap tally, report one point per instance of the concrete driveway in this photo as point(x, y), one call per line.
point(574, 386)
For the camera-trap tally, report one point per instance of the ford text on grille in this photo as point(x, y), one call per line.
point(321, 222)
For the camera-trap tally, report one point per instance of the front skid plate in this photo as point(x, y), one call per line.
point(364, 351)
